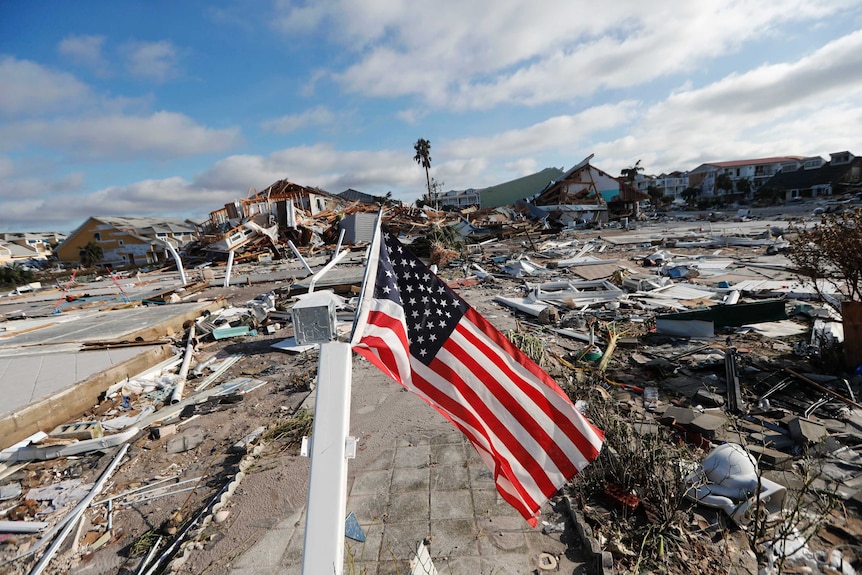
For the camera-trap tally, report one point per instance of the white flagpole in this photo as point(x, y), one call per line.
point(366, 293)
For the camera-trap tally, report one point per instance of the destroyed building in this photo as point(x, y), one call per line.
point(578, 197)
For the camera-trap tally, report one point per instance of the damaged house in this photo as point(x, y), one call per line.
point(578, 197)
point(271, 213)
point(126, 241)
point(814, 176)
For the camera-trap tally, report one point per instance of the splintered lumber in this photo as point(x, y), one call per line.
point(613, 337)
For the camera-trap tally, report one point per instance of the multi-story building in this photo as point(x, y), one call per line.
point(757, 172)
point(815, 176)
point(672, 185)
point(126, 241)
point(458, 199)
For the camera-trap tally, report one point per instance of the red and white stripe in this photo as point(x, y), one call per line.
point(522, 424)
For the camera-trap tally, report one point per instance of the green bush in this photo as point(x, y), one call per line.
point(15, 275)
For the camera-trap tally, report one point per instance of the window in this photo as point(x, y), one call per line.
point(121, 242)
point(97, 236)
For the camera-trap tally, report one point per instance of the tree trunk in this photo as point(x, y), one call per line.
point(428, 183)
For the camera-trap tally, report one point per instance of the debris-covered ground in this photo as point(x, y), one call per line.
point(675, 340)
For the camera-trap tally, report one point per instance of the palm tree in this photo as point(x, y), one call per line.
point(690, 194)
point(724, 183)
point(91, 254)
point(630, 173)
point(743, 186)
point(423, 158)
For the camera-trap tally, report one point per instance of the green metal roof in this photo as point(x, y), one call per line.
point(508, 193)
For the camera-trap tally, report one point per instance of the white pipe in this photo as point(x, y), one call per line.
point(177, 395)
point(338, 244)
point(143, 564)
point(323, 548)
point(299, 256)
point(325, 269)
point(22, 526)
point(72, 518)
point(147, 490)
point(165, 494)
point(179, 261)
point(31, 453)
point(135, 490)
point(228, 269)
point(219, 371)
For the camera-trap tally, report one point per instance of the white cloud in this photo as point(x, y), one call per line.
point(474, 55)
point(829, 74)
point(811, 106)
point(36, 203)
point(524, 166)
point(84, 50)
point(29, 88)
point(151, 60)
point(169, 197)
point(318, 116)
point(18, 188)
point(291, 18)
point(557, 133)
point(411, 116)
point(162, 135)
point(318, 166)
point(7, 168)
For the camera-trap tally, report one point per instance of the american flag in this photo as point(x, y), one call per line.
point(424, 336)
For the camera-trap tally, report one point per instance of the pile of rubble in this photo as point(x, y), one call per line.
point(698, 349)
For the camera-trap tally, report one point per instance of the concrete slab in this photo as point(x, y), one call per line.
point(680, 415)
point(807, 431)
point(46, 378)
point(770, 457)
point(28, 377)
point(708, 424)
point(434, 489)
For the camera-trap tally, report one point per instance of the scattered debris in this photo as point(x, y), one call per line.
point(709, 365)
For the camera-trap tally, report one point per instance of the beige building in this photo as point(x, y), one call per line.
point(126, 241)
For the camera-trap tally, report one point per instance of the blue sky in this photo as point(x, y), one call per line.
point(174, 108)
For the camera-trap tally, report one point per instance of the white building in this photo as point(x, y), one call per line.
point(756, 171)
